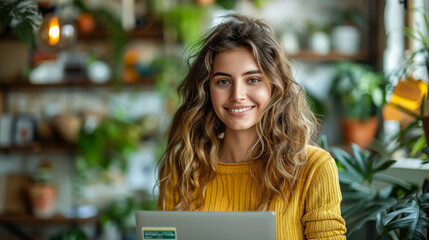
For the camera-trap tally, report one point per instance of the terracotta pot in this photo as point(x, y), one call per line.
point(359, 132)
point(42, 199)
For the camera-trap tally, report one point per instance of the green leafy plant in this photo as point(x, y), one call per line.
point(359, 90)
point(412, 137)
point(121, 212)
point(73, 234)
point(187, 20)
point(362, 201)
point(419, 36)
point(25, 17)
point(109, 144)
point(409, 216)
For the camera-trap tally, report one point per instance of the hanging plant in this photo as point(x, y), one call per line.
point(23, 17)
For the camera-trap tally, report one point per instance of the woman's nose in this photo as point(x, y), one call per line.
point(238, 92)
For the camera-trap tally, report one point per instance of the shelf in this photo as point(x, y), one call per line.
point(78, 83)
point(153, 30)
point(149, 31)
point(28, 219)
point(310, 56)
point(52, 147)
point(38, 147)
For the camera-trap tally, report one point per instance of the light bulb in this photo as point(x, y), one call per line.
point(55, 34)
point(53, 31)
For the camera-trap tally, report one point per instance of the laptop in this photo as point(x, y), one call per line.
point(195, 225)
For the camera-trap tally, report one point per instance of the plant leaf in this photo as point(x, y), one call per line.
point(418, 145)
point(408, 215)
point(346, 160)
point(393, 180)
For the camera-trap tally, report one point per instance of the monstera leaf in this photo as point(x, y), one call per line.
point(410, 216)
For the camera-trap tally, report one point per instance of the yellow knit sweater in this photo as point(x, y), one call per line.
point(312, 213)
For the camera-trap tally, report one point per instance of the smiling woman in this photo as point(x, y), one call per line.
point(239, 92)
point(242, 139)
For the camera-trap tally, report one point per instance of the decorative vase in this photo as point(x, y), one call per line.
point(42, 198)
point(346, 39)
point(68, 126)
point(360, 132)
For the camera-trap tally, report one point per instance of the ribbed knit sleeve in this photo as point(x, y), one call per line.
point(322, 215)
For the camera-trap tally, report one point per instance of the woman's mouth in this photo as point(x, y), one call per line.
point(239, 110)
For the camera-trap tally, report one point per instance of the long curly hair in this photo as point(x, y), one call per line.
point(287, 125)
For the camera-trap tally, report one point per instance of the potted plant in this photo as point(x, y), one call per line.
point(360, 93)
point(24, 15)
point(346, 32)
point(42, 192)
point(399, 209)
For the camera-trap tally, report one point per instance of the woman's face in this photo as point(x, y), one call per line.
point(238, 90)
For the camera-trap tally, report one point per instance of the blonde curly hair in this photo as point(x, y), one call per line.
point(286, 128)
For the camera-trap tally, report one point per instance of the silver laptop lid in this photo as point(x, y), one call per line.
point(195, 225)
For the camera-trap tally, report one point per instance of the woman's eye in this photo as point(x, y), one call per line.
point(222, 82)
point(254, 80)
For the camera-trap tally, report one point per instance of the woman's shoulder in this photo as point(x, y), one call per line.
point(316, 157)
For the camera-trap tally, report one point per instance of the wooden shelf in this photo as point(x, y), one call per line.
point(78, 83)
point(38, 147)
point(153, 30)
point(28, 219)
point(53, 147)
point(307, 55)
point(149, 31)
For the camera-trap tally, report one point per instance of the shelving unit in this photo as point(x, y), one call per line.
point(311, 56)
point(28, 219)
point(13, 222)
point(23, 84)
point(40, 147)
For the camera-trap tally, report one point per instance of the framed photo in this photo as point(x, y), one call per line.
point(23, 130)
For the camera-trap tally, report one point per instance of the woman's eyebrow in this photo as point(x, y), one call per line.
point(221, 74)
point(229, 75)
point(252, 72)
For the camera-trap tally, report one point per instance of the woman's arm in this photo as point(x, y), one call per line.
point(322, 218)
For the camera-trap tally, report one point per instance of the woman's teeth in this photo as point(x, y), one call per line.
point(238, 110)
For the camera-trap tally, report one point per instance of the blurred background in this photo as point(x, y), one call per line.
point(88, 89)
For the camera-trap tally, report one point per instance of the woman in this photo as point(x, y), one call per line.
point(241, 140)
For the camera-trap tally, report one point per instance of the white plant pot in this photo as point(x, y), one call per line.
point(320, 42)
point(346, 39)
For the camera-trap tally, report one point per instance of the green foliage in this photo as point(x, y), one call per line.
point(409, 215)
point(358, 89)
point(73, 234)
point(412, 137)
point(169, 73)
point(110, 144)
point(118, 37)
point(362, 202)
point(187, 20)
point(227, 4)
point(119, 212)
point(231, 4)
point(25, 14)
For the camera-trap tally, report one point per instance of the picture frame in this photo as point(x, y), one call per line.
point(23, 129)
